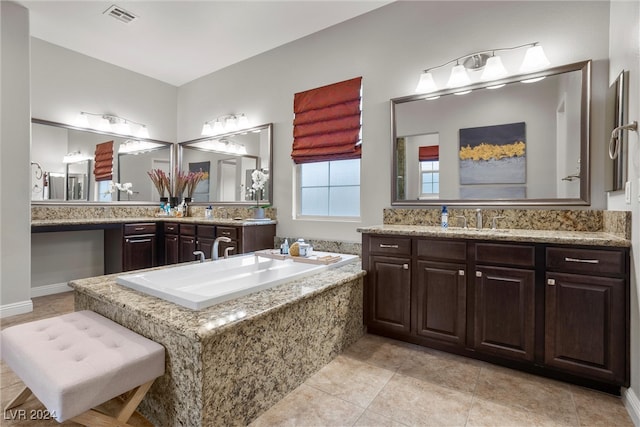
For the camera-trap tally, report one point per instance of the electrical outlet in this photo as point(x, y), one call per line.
point(627, 192)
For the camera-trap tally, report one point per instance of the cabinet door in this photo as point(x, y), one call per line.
point(585, 325)
point(187, 247)
point(389, 299)
point(440, 306)
point(138, 252)
point(504, 315)
point(171, 249)
point(205, 245)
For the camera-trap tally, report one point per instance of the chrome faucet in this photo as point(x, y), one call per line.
point(200, 254)
point(479, 219)
point(216, 243)
point(493, 221)
point(227, 250)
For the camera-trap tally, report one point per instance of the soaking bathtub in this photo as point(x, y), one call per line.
point(201, 285)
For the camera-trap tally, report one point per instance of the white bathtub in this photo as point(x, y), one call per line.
point(201, 285)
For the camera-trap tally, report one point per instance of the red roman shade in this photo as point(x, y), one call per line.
point(327, 123)
point(430, 152)
point(103, 163)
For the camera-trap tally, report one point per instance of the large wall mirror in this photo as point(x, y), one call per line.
point(229, 160)
point(62, 165)
point(517, 144)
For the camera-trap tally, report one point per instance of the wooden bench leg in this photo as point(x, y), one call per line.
point(94, 418)
point(19, 399)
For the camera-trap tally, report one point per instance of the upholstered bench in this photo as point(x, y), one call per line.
point(75, 362)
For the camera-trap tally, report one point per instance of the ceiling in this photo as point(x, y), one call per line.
point(179, 41)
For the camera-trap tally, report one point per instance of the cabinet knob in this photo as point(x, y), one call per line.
point(460, 272)
point(551, 282)
point(405, 266)
point(478, 273)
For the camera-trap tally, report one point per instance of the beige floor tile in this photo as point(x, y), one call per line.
point(371, 419)
point(488, 414)
point(443, 369)
point(549, 398)
point(307, 406)
point(383, 352)
point(414, 402)
point(600, 409)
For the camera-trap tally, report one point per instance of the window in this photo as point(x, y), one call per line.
point(327, 148)
point(103, 191)
point(429, 177)
point(330, 188)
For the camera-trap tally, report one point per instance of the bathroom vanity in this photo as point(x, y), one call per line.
point(551, 302)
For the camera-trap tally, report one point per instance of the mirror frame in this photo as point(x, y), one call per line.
point(172, 157)
point(585, 115)
point(268, 127)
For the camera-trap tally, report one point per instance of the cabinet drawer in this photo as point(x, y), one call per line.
point(142, 228)
point(207, 231)
point(170, 228)
point(390, 245)
point(505, 254)
point(586, 261)
point(188, 229)
point(230, 232)
point(442, 249)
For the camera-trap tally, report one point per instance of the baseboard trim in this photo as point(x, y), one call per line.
point(15, 308)
point(56, 288)
point(632, 403)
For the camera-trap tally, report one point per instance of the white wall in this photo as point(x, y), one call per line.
point(388, 48)
point(15, 180)
point(624, 52)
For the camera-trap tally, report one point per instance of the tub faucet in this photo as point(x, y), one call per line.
point(479, 219)
point(227, 250)
point(200, 254)
point(216, 243)
point(494, 219)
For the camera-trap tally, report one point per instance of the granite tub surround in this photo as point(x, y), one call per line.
point(614, 222)
point(230, 362)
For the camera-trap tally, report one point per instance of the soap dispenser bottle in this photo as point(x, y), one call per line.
point(444, 218)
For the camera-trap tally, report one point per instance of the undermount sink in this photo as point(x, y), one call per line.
point(482, 230)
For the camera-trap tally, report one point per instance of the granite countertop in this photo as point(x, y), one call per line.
point(126, 220)
point(512, 235)
point(201, 324)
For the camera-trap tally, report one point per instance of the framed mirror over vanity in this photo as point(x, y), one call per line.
point(521, 140)
point(229, 159)
point(63, 165)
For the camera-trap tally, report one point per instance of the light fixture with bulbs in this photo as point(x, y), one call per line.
point(131, 146)
point(225, 124)
point(490, 64)
point(112, 123)
point(75, 157)
point(221, 145)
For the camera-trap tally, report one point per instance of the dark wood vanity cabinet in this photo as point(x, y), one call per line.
point(171, 243)
point(556, 310)
point(504, 300)
point(139, 246)
point(439, 291)
point(206, 235)
point(187, 242)
point(586, 312)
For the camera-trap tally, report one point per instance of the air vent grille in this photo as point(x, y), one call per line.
point(120, 14)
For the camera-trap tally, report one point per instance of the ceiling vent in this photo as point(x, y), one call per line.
point(120, 14)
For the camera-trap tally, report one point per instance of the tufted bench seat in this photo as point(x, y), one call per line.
point(77, 361)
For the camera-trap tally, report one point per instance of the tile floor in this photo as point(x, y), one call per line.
point(382, 382)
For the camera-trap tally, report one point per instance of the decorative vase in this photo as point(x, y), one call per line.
point(173, 201)
point(258, 213)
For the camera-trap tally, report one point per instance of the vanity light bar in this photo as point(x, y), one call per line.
point(225, 124)
point(487, 61)
point(112, 123)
